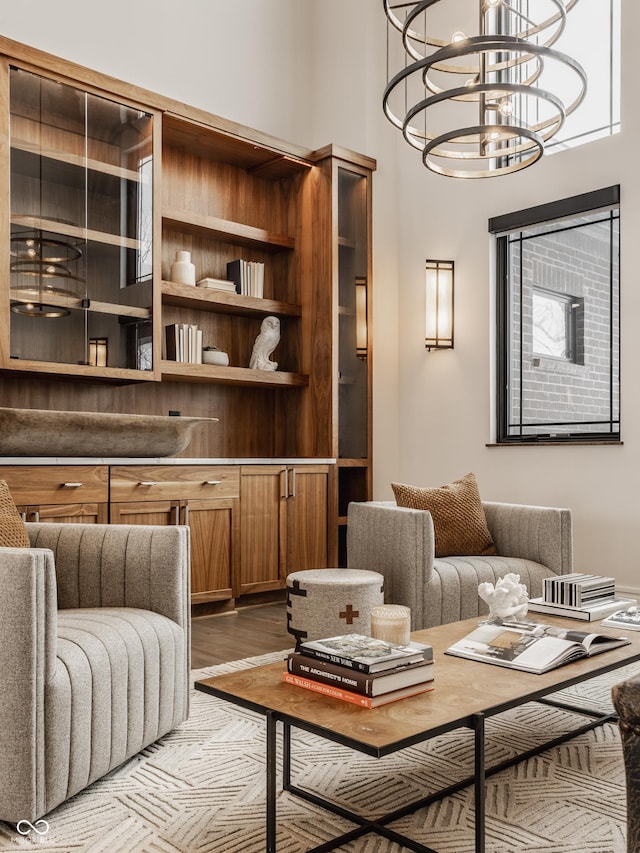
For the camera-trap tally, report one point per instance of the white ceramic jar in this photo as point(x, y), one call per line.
point(182, 270)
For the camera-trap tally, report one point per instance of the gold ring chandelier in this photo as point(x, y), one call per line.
point(480, 105)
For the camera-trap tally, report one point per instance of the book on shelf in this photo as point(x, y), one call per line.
point(627, 618)
point(530, 647)
point(248, 277)
point(597, 609)
point(356, 698)
point(183, 343)
point(577, 588)
point(360, 652)
point(221, 284)
point(364, 683)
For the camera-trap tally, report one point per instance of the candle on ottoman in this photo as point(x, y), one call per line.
point(391, 623)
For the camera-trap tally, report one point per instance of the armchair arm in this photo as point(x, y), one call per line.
point(539, 533)
point(397, 542)
point(28, 623)
point(120, 565)
point(626, 701)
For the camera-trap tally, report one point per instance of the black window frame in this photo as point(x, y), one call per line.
point(501, 227)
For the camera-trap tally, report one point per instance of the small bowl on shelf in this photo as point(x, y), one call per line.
point(215, 356)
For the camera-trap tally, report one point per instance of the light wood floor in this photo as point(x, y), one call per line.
point(250, 631)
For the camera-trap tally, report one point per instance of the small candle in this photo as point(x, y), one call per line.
point(391, 623)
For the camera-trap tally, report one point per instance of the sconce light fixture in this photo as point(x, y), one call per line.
point(362, 329)
point(439, 305)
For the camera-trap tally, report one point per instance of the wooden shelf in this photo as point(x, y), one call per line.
point(53, 226)
point(185, 372)
point(117, 375)
point(31, 295)
point(191, 222)
point(76, 160)
point(203, 299)
point(208, 142)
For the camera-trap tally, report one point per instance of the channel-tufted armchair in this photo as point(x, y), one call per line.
point(533, 542)
point(94, 655)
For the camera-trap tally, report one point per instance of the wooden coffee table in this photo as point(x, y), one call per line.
point(466, 693)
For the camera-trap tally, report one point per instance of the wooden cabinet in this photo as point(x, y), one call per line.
point(203, 497)
point(106, 183)
point(87, 156)
point(284, 512)
point(61, 493)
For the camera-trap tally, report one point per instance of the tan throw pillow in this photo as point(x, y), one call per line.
point(458, 517)
point(13, 533)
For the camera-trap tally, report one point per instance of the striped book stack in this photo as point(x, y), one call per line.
point(359, 669)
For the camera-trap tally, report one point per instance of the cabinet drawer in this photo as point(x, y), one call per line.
point(175, 482)
point(57, 484)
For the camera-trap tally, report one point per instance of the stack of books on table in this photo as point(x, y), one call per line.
point(580, 596)
point(360, 669)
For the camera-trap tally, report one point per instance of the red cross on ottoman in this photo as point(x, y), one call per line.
point(349, 614)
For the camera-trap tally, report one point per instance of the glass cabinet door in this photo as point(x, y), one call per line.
point(81, 239)
point(353, 321)
point(354, 344)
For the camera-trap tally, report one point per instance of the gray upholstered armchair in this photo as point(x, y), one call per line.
point(534, 542)
point(94, 655)
point(626, 701)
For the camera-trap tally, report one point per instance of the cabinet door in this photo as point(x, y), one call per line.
point(67, 513)
point(307, 527)
point(214, 535)
point(262, 521)
point(81, 219)
point(146, 512)
point(214, 538)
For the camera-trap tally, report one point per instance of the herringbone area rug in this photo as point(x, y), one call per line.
point(201, 789)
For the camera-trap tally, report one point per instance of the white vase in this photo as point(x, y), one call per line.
point(182, 270)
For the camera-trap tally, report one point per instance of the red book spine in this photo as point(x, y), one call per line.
point(354, 698)
point(327, 689)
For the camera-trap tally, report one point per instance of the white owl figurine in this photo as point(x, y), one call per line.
point(264, 345)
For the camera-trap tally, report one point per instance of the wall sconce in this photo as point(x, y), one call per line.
point(439, 305)
point(362, 330)
point(98, 351)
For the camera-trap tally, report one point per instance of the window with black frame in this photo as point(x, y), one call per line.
point(558, 320)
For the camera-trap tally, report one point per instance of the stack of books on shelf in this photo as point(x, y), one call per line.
point(248, 277)
point(183, 342)
point(580, 596)
point(221, 284)
point(359, 669)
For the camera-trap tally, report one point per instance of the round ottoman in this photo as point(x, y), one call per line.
point(329, 602)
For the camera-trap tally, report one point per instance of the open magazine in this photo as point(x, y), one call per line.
point(531, 647)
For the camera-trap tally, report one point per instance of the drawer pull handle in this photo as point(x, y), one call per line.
point(212, 482)
point(72, 485)
point(148, 483)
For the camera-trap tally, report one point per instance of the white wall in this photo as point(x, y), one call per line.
point(313, 71)
point(246, 60)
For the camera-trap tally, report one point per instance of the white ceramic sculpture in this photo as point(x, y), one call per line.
point(508, 599)
point(265, 344)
